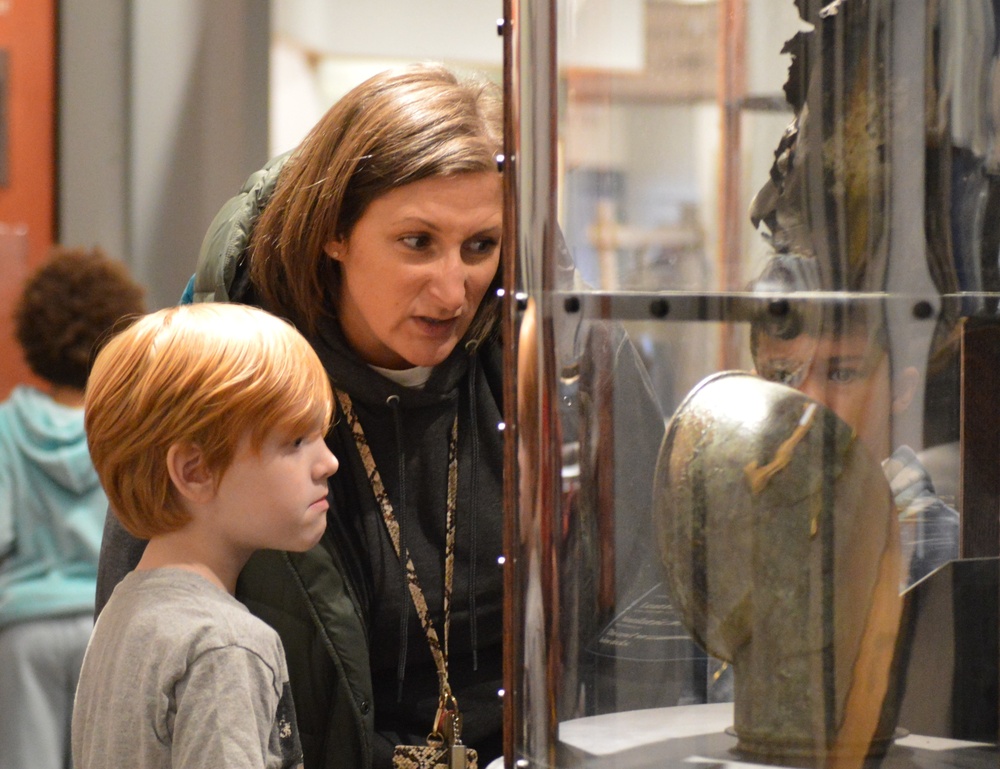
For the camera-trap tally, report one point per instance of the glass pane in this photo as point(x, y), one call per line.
point(754, 441)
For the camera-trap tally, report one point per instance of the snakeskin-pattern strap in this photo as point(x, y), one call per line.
point(439, 653)
point(429, 757)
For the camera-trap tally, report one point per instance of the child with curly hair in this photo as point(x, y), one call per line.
point(52, 507)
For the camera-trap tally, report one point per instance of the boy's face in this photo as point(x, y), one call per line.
point(277, 498)
point(847, 373)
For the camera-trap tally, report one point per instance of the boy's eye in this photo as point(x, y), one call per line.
point(301, 440)
point(314, 434)
point(844, 374)
point(790, 373)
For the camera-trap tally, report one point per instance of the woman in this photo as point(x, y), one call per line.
point(379, 237)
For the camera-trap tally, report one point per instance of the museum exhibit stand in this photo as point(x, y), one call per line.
point(752, 313)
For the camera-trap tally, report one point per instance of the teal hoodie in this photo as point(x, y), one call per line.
point(52, 510)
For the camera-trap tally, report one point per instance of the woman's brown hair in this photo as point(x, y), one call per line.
point(398, 127)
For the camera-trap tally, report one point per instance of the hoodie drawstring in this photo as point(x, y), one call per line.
point(471, 348)
point(404, 619)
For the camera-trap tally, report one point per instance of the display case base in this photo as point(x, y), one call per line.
point(696, 737)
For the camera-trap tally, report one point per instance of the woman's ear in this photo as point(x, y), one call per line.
point(335, 249)
point(190, 473)
point(904, 388)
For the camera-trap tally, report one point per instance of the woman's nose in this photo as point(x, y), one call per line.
point(449, 282)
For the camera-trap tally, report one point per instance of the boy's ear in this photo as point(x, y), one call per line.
point(190, 473)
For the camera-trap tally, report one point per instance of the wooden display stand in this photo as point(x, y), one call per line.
point(27, 159)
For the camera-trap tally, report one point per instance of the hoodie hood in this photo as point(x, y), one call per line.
point(52, 510)
point(52, 437)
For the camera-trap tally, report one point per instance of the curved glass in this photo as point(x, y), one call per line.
point(757, 261)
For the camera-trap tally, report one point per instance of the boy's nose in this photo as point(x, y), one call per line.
point(330, 463)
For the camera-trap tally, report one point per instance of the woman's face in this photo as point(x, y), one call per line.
point(416, 267)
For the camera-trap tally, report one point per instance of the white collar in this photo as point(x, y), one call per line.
point(415, 377)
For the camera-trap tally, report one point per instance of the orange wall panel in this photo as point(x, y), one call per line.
point(27, 165)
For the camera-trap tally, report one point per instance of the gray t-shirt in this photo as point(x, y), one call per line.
point(178, 673)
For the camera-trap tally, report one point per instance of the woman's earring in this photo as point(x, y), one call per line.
point(332, 248)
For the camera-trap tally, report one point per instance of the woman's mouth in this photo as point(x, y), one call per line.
point(436, 327)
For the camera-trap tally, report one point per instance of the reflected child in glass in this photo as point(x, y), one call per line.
point(841, 356)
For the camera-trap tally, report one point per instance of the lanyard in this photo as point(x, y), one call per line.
point(439, 653)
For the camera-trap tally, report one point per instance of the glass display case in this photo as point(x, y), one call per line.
point(752, 271)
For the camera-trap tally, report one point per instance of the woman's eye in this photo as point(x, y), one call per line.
point(482, 246)
point(416, 242)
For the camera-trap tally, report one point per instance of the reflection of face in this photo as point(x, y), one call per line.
point(848, 374)
point(416, 267)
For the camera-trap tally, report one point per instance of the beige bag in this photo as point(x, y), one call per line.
point(434, 757)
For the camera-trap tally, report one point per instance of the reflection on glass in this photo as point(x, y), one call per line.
point(843, 356)
point(802, 194)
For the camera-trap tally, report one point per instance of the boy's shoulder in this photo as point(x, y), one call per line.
point(169, 631)
point(183, 610)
